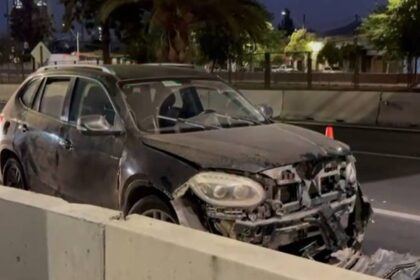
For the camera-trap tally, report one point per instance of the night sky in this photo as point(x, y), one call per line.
point(320, 14)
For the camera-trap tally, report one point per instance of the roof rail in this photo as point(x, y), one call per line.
point(72, 66)
point(168, 64)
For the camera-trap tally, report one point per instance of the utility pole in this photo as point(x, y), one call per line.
point(356, 78)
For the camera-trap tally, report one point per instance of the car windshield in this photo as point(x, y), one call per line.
point(177, 106)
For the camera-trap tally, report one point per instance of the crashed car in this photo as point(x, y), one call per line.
point(180, 145)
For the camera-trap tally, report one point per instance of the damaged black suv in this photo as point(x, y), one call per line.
point(180, 145)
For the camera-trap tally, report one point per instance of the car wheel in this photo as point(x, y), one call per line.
point(13, 175)
point(153, 207)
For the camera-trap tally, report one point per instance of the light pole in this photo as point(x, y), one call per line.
point(76, 36)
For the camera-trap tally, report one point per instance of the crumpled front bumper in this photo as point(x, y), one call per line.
point(340, 225)
point(324, 218)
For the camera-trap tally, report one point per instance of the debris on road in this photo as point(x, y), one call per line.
point(390, 265)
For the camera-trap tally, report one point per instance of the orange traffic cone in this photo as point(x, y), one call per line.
point(329, 132)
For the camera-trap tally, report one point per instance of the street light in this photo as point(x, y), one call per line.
point(76, 35)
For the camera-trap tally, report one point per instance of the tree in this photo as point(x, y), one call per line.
point(5, 46)
point(287, 25)
point(299, 42)
point(273, 42)
point(380, 33)
point(85, 12)
point(395, 30)
point(30, 23)
point(331, 54)
point(176, 19)
point(131, 24)
point(218, 44)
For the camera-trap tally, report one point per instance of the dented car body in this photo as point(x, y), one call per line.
point(182, 146)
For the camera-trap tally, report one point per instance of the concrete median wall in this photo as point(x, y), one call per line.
point(351, 107)
point(399, 109)
point(274, 98)
point(331, 106)
point(46, 238)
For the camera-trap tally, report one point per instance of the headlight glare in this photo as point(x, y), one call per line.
point(227, 190)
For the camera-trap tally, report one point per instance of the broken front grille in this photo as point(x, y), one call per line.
point(290, 185)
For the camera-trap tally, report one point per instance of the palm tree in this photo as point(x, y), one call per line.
point(176, 19)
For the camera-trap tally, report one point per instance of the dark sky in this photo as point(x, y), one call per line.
point(320, 14)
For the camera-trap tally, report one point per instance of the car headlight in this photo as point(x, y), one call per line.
point(226, 190)
point(351, 174)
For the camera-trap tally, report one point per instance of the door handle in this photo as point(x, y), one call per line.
point(23, 127)
point(66, 144)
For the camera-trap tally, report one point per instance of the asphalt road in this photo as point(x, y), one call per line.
point(388, 165)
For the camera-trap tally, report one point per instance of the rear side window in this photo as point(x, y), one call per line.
point(54, 96)
point(30, 91)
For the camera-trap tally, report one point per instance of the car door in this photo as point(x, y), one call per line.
point(37, 139)
point(89, 163)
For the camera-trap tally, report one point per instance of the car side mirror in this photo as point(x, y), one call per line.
point(98, 125)
point(266, 110)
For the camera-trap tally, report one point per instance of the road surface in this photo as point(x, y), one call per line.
point(388, 165)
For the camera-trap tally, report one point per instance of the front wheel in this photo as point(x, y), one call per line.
point(153, 207)
point(13, 175)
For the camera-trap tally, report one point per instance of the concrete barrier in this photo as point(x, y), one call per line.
point(332, 106)
point(46, 238)
point(399, 109)
point(326, 106)
point(274, 98)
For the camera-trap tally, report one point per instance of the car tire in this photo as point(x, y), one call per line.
point(154, 207)
point(13, 175)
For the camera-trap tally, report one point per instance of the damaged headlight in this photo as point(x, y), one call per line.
point(351, 174)
point(226, 190)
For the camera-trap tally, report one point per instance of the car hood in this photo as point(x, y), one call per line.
point(250, 149)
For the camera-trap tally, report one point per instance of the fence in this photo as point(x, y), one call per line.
point(304, 70)
point(270, 71)
point(15, 73)
point(318, 80)
point(11, 73)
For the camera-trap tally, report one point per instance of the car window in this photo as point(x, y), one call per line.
point(55, 92)
point(29, 92)
point(89, 98)
point(177, 106)
point(224, 102)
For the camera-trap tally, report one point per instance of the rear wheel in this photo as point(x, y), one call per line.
point(13, 175)
point(154, 207)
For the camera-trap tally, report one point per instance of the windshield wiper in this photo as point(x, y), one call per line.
point(185, 121)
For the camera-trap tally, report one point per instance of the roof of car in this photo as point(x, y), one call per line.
point(133, 71)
